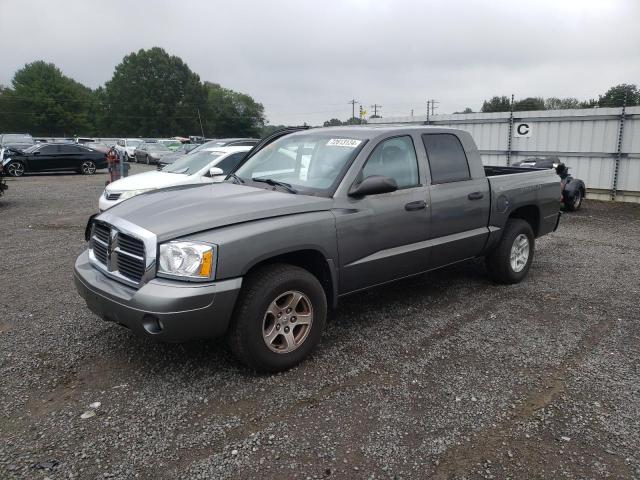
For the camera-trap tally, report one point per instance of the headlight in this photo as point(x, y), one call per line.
point(133, 193)
point(187, 260)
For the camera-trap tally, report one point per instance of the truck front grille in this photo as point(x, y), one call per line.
point(118, 253)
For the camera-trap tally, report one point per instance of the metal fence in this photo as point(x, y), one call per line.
point(600, 145)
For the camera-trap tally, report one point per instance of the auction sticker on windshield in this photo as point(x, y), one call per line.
point(344, 142)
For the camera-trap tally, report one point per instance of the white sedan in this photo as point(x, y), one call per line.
point(202, 167)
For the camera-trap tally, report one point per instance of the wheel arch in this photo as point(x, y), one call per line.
point(314, 262)
point(530, 214)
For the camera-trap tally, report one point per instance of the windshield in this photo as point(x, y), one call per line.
point(171, 143)
point(190, 164)
point(314, 162)
point(157, 147)
point(16, 138)
point(133, 143)
point(33, 148)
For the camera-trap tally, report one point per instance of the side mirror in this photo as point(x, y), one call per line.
point(373, 185)
point(215, 172)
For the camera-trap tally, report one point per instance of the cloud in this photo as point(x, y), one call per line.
point(304, 60)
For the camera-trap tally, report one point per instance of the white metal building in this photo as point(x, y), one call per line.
point(600, 145)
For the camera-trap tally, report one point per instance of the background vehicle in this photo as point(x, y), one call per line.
point(98, 146)
point(19, 141)
point(3, 183)
point(190, 169)
point(573, 189)
point(172, 144)
point(305, 219)
point(127, 147)
point(172, 157)
point(84, 140)
point(227, 142)
point(47, 157)
point(150, 152)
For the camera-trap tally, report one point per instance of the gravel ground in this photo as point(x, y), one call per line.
point(442, 376)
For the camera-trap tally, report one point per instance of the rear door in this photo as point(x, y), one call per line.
point(69, 157)
point(460, 204)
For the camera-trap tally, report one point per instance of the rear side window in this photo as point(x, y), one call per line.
point(68, 149)
point(447, 160)
point(49, 149)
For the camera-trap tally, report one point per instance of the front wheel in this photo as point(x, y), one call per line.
point(279, 318)
point(15, 169)
point(88, 167)
point(510, 261)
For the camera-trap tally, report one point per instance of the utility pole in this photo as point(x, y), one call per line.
point(432, 103)
point(200, 120)
point(375, 107)
point(353, 107)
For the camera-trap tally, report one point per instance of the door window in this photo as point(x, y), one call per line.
point(395, 158)
point(447, 160)
point(49, 150)
point(229, 163)
point(69, 149)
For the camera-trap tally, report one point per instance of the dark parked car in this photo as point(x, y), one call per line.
point(151, 152)
point(573, 189)
point(48, 157)
point(173, 156)
point(16, 140)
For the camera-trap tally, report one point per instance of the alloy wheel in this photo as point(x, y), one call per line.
point(287, 322)
point(519, 253)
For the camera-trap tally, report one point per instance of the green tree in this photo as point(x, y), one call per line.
point(466, 110)
point(614, 97)
point(269, 129)
point(555, 103)
point(230, 114)
point(334, 122)
point(496, 104)
point(528, 104)
point(43, 101)
point(152, 93)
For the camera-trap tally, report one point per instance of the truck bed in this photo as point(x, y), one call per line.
point(495, 170)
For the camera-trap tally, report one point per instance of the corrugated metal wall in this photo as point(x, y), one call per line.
point(586, 140)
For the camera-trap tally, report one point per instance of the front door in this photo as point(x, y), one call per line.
point(45, 158)
point(384, 237)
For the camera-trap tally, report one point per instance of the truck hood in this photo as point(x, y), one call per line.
point(174, 212)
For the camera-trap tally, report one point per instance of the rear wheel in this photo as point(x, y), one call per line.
point(88, 167)
point(15, 168)
point(279, 318)
point(510, 261)
point(575, 202)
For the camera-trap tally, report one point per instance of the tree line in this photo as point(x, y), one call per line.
point(613, 97)
point(151, 93)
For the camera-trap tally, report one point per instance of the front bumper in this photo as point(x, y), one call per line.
point(165, 310)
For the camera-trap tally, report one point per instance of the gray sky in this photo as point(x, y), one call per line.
point(305, 59)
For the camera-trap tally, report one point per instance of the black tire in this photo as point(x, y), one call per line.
point(260, 290)
point(88, 167)
point(575, 202)
point(15, 168)
point(499, 262)
point(148, 162)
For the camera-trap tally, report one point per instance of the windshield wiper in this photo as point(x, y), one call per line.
point(276, 183)
point(236, 178)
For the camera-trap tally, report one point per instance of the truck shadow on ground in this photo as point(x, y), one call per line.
point(353, 314)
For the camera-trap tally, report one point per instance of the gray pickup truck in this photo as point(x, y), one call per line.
point(306, 218)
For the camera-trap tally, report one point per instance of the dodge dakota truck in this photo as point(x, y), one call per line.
point(306, 218)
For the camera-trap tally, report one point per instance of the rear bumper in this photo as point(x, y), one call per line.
point(165, 310)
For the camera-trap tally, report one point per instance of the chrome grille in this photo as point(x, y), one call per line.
point(118, 253)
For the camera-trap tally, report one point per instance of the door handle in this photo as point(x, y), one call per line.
point(419, 205)
point(475, 196)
